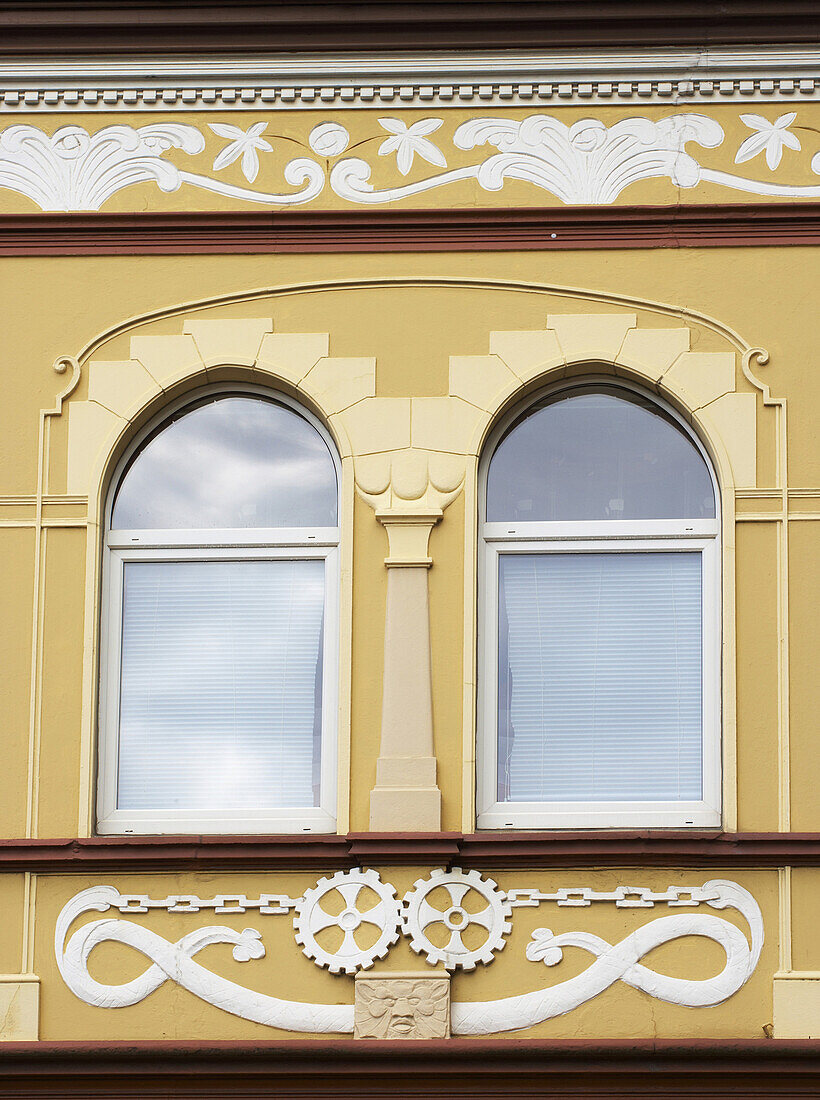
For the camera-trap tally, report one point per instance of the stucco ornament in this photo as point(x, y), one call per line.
point(621, 962)
point(328, 139)
point(74, 170)
point(771, 136)
point(586, 162)
point(312, 919)
point(589, 162)
point(246, 145)
point(406, 141)
point(461, 899)
point(175, 962)
point(402, 1007)
point(612, 963)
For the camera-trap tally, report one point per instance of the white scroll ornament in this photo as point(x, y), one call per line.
point(613, 963)
point(621, 962)
point(175, 961)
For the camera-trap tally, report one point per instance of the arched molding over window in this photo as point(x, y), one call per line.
point(706, 388)
point(219, 626)
point(418, 453)
point(162, 366)
point(122, 396)
point(599, 624)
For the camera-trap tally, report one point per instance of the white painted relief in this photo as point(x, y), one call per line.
point(312, 918)
point(408, 141)
point(462, 890)
point(441, 898)
point(768, 136)
point(73, 170)
point(245, 144)
point(586, 163)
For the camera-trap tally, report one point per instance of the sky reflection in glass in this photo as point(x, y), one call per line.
point(232, 462)
point(603, 454)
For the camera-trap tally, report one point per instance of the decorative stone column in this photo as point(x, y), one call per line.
point(409, 491)
point(406, 797)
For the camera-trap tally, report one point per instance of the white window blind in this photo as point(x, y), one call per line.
point(221, 684)
point(600, 676)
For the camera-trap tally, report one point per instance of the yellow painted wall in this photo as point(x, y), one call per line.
point(60, 306)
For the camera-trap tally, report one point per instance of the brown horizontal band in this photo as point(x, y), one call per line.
point(73, 27)
point(545, 229)
point(700, 1068)
point(488, 851)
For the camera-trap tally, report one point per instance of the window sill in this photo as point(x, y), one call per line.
point(486, 850)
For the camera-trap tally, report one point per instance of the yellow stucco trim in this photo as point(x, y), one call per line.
point(19, 1008)
point(97, 431)
point(393, 438)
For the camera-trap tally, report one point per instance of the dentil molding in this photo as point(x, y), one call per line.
point(277, 82)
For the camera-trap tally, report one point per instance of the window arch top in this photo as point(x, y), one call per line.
point(597, 453)
point(230, 461)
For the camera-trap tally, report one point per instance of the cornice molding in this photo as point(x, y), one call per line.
point(313, 81)
point(486, 851)
point(74, 27)
point(702, 1068)
point(558, 229)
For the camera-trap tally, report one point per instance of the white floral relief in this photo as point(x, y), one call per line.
point(74, 170)
point(585, 163)
point(242, 144)
point(407, 141)
point(768, 136)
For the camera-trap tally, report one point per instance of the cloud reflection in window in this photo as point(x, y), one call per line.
point(231, 462)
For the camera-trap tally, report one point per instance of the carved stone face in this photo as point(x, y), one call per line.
point(402, 1008)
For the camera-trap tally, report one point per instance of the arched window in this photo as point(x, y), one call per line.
point(600, 638)
point(219, 629)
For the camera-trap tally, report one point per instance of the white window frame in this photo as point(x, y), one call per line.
point(665, 536)
point(228, 544)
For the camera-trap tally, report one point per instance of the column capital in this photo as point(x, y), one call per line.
point(408, 535)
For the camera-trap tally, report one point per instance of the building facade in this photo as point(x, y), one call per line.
point(410, 497)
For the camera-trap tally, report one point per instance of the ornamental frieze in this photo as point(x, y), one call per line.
point(453, 921)
point(585, 162)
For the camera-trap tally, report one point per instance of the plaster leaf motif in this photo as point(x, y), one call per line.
point(74, 170)
point(241, 144)
point(586, 162)
point(768, 136)
point(407, 141)
point(589, 162)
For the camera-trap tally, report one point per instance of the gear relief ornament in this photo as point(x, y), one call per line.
point(356, 919)
point(458, 907)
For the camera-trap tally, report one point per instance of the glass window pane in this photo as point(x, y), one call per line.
point(237, 461)
point(597, 455)
point(221, 685)
point(599, 677)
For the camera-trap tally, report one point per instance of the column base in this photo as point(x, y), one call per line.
point(405, 798)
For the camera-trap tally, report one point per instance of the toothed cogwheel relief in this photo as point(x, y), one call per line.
point(461, 887)
point(311, 918)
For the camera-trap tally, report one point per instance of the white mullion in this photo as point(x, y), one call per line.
point(488, 685)
point(603, 530)
point(328, 785)
point(210, 538)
